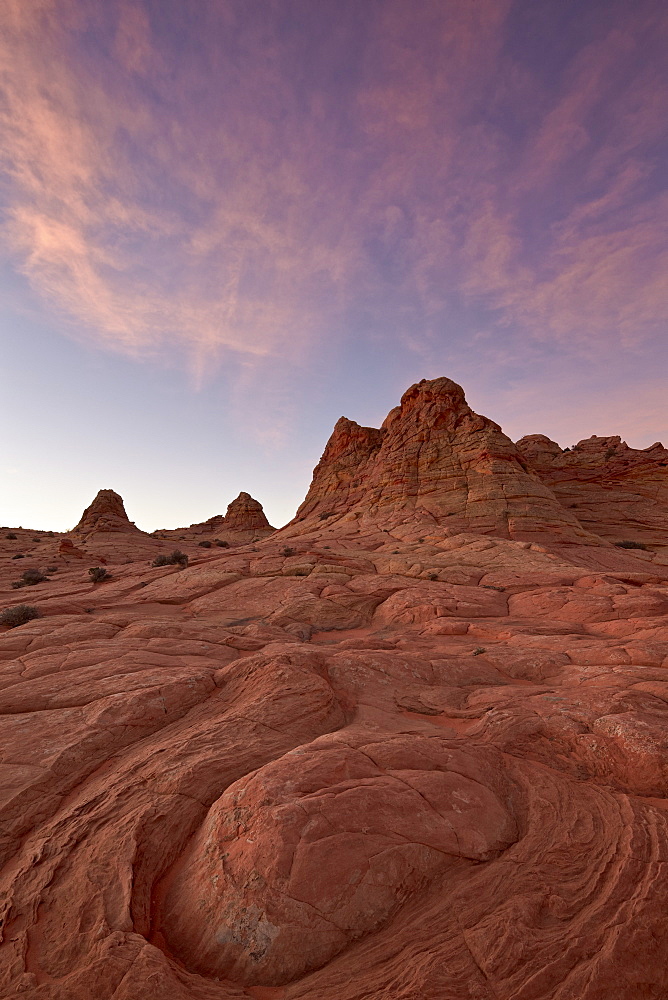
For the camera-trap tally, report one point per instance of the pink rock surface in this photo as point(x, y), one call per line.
point(415, 749)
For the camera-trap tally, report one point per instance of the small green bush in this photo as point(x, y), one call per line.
point(52, 569)
point(222, 544)
point(19, 555)
point(11, 536)
point(478, 651)
point(627, 544)
point(204, 545)
point(288, 551)
point(98, 573)
point(18, 615)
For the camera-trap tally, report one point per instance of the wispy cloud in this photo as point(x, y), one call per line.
point(145, 220)
point(224, 181)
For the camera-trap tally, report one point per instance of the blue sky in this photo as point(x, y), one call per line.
point(225, 225)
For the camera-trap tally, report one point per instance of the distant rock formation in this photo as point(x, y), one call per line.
point(244, 520)
point(105, 514)
point(434, 457)
point(615, 491)
point(246, 514)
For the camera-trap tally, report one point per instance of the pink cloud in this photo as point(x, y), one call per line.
point(224, 204)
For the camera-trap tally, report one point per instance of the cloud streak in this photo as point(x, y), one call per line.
point(205, 180)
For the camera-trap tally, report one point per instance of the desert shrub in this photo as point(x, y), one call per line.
point(628, 544)
point(222, 544)
point(18, 615)
point(433, 576)
point(288, 551)
point(31, 577)
point(50, 534)
point(175, 558)
point(204, 545)
point(11, 536)
point(37, 539)
point(98, 573)
point(609, 453)
point(478, 651)
point(52, 569)
point(325, 514)
point(19, 555)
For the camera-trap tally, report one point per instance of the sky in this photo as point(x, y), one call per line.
point(226, 223)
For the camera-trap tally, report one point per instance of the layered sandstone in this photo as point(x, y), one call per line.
point(370, 756)
point(246, 514)
point(617, 492)
point(105, 514)
point(436, 459)
point(244, 521)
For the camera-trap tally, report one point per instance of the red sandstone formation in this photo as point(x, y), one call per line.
point(617, 492)
point(245, 521)
point(402, 751)
point(436, 459)
point(246, 514)
point(105, 514)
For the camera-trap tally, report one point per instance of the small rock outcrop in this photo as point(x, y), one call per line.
point(244, 521)
point(105, 514)
point(435, 458)
point(246, 514)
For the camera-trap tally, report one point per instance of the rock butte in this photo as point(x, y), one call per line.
point(412, 745)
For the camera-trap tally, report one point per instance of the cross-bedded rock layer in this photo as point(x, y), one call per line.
point(437, 459)
point(377, 755)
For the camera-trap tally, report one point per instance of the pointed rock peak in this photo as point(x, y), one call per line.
point(435, 459)
point(106, 513)
point(246, 514)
